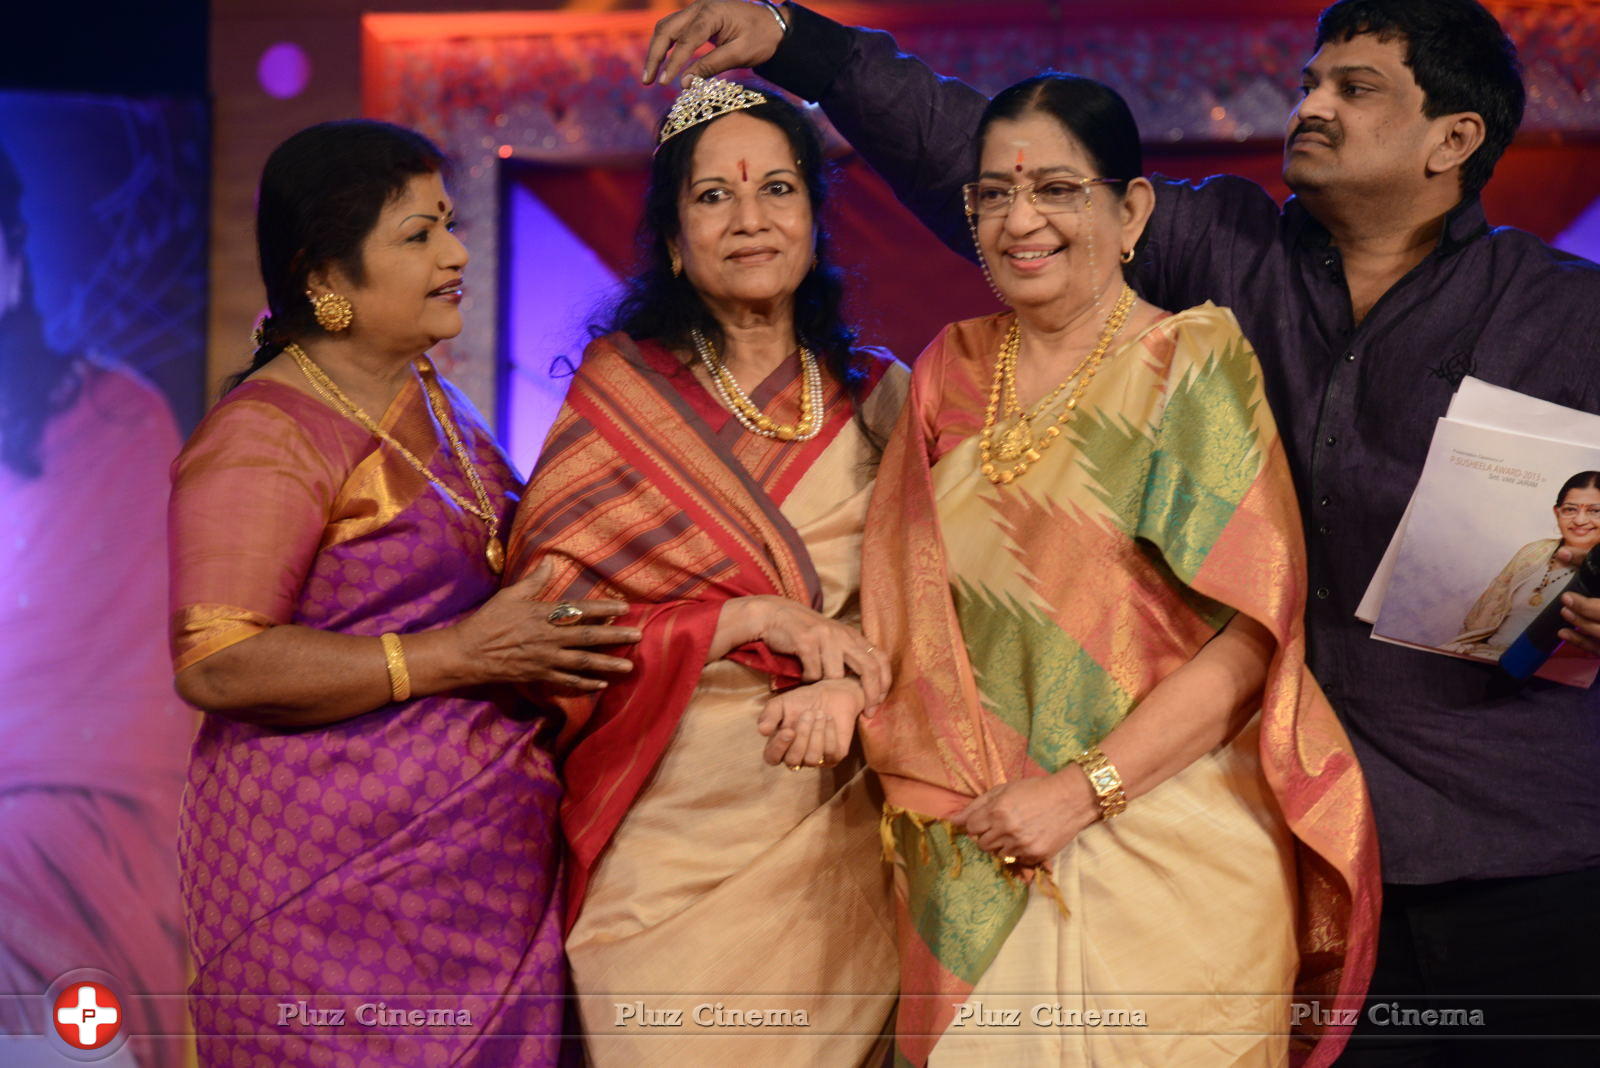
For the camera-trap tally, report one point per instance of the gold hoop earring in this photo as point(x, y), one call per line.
point(332, 312)
point(1127, 256)
point(677, 262)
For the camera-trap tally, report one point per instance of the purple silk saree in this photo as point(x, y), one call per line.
point(384, 890)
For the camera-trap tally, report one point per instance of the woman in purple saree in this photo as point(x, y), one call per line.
point(371, 867)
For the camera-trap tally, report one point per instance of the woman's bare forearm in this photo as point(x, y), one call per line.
point(739, 623)
point(291, 676)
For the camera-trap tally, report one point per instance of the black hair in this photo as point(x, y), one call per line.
point(1461, 58)
point(656, 304)
point(321, 193)
point(1581, 480)
point(36, 381)
point(1092, 112)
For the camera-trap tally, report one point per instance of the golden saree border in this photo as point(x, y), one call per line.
point(383, 483)
point(199, 630)
point(251, 492)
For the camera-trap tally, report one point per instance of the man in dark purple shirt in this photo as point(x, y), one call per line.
point(1368, 296)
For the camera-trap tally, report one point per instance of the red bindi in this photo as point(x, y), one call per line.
point(744, 172)
point(1019, 161)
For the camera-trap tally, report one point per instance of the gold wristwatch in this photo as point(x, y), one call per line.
point(1105, 780)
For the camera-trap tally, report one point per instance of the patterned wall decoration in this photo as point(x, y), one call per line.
point(543, 88)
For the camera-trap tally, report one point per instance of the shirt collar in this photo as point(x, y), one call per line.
point(1463, 224)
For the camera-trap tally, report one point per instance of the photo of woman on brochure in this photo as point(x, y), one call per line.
point(1534, 575)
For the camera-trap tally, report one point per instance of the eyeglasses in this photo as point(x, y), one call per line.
point(1049, 196)
point(1571, 511)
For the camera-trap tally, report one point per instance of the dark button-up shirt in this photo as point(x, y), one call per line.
point(1471, 777)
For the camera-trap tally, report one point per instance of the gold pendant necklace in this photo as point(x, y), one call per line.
point(1549, 576)
point(1014, 442)
point(494, 552)
point(1018, 446)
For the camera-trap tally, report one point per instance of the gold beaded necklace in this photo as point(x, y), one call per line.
point(1018, 446)
point(329, 391)
point(751, 417)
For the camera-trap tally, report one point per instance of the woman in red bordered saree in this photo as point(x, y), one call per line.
point(712, 471)
point(1085, 555)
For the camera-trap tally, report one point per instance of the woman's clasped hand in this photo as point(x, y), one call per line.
point(1028, 821)
point(846, 676)
point(512, 638)
point(812, 725)
point(826, 648)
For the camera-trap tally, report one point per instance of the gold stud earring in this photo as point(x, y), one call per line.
point(677, 262)
point(333, 312)
point(1127, 256)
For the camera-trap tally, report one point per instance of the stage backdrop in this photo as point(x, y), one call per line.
point(552, 131)
point(102, 318)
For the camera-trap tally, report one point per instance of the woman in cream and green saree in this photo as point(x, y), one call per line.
point(1128, 829)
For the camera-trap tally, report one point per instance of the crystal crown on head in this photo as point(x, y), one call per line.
point(706, 99)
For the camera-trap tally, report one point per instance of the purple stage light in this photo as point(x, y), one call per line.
point(284, 70)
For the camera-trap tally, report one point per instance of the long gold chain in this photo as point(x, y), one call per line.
point(750, 416)
point(1019, 443)
point(329, 390)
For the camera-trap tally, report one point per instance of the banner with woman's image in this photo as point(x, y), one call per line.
point(1481, 555)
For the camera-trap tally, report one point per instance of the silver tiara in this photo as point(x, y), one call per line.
point(706, 99)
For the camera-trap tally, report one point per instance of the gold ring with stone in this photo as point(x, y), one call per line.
point(1008, 860)
point(793, 767)
point(564, 614)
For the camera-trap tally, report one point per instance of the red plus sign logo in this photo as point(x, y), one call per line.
point(87, 1015)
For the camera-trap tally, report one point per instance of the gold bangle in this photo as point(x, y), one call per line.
point(394, 658)
point(1105, 780)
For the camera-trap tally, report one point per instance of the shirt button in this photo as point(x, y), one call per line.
point(1323, 501)
point(1324, 529)
point(1330, 440)
point(1322, 593)
point(1349, 357)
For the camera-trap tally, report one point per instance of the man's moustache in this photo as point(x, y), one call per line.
point(1322, 131)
